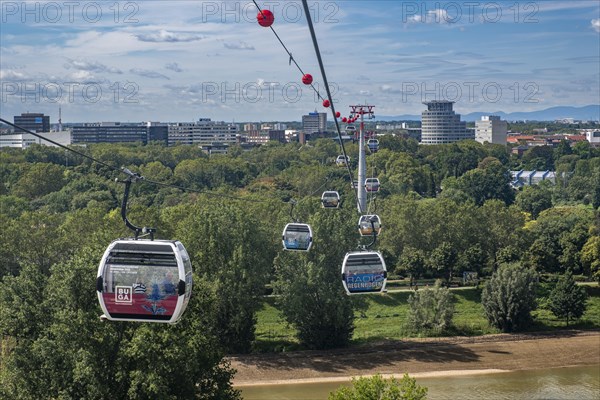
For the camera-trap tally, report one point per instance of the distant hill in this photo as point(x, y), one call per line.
point(591, 112)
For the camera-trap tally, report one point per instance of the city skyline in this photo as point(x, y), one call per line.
point(177, 61)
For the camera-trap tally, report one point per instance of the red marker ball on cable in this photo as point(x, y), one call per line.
point(326, 103)
point(307, 79)
point(265, 18)
point(337, 114)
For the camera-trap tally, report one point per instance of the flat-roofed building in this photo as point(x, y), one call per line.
point(202, 132)
point(314, 122)
point(34, 122)
point(593, 136)
point(24, 140)
point(491, 129)
point(110, 132)
point(526, 178)
point(441, 125)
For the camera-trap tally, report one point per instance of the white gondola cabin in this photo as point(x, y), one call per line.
point(366, 223)
point(144, 280)
point(364, 272)
point(297, 237)
point(372, 185)
point(341, 161)
point(330, 199)
point(373, 145)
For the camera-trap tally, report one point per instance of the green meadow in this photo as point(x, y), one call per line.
point(383, 316)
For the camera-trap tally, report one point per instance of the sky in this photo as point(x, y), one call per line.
point(170, 60)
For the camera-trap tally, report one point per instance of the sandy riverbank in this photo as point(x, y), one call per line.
point(423, 358)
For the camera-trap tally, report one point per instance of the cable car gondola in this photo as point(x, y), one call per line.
point(350, 128)
point(368, 223)
point(297, 237)
point(144, 280)
point(372, 185)
point(341, 162)
point(364, 272)
point(373, 145)
point(330, 199)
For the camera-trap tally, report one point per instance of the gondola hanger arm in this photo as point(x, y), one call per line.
point(132, 177)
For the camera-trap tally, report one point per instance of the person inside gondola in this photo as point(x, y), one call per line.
point(139, 288)
point(168, 285)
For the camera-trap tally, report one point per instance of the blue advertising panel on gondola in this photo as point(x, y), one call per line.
point(366, 282)
point(364, 272)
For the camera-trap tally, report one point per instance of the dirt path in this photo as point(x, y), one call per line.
point(417, 356)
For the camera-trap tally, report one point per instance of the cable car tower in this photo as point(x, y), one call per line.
point(365, 111)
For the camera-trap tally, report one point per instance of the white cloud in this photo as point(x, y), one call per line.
point(238, 46)
point(437, 16)
point(93, 66)
point(11, 75)
point(83, 77)
point(389, 89)
point(167, 36)
point(596, 25)
point(148, 74)
point(174, 67)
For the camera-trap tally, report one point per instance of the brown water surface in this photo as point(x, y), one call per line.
point(573, 383)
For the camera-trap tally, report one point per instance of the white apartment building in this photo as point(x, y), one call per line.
point(202, 132)
point(24, 140)
point(593, 136)
point(491, 129)
point(440, 124)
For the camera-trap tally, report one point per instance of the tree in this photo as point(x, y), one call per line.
point(509, 297)
point(534, 199)
point(311, 294)
point(39, 180)
point(228, 251)
point(414, 262)
point(539, 158)
point(378, 388)
point(490, 181)
point(590, 257)
point(563, 149)
point(567, 300)
point(443, 259)
point(560, 234)
point(430, 309)
point(63, 350)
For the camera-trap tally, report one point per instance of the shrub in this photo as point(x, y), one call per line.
point(567, 300)
point(509, 297)
point(430, 309)
point(378, 388)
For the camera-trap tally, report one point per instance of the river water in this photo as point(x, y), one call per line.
point(573, 383)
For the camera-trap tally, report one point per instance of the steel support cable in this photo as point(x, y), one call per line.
point(316, 91)
point(322, 67)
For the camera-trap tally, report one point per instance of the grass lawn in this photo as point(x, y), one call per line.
point(385, 314)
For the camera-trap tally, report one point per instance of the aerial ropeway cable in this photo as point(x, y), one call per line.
point(266, 19)
point(362, 271)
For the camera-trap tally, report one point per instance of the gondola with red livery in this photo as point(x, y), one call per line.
point(144, 280)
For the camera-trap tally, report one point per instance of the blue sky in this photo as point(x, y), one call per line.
point(181, 60)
